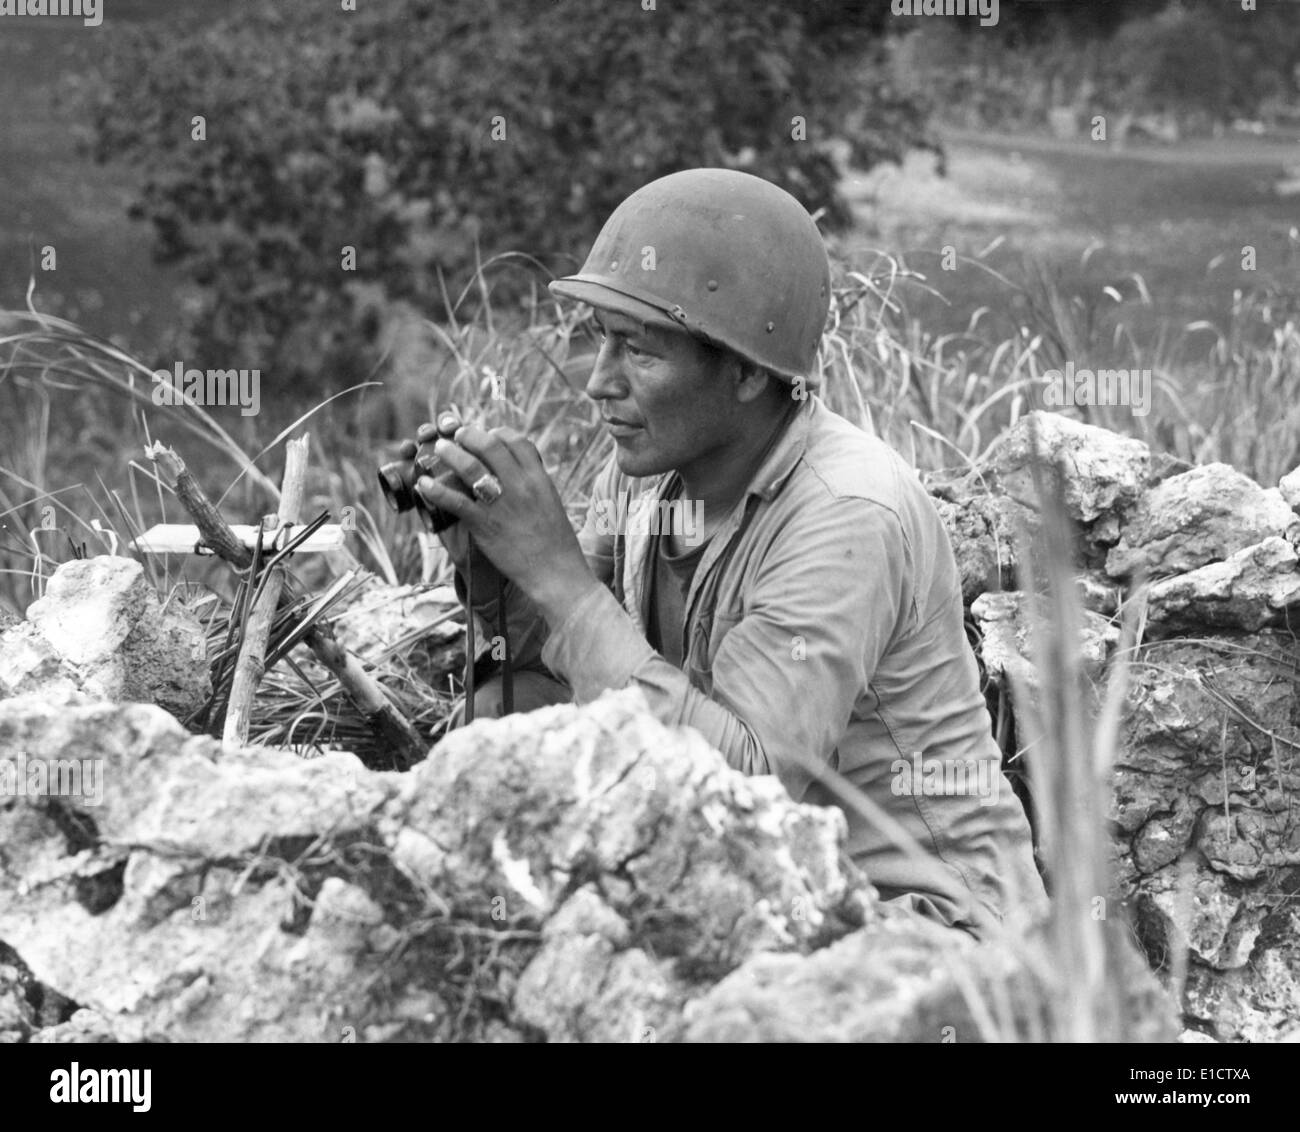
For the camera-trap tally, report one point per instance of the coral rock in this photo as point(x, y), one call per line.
point(1100, 473)
point(1254, 587)
point(1201, 516)
point(104, 622)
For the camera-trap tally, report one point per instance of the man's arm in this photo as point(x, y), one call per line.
point(819, 613)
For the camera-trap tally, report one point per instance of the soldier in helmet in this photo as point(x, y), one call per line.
point(763, 570)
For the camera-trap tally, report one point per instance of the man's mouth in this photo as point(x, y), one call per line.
point(620, 428)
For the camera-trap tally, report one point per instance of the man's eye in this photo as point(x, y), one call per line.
point(635, 351)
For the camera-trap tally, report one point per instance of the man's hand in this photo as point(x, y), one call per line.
point(455, 539)
point(525, 533)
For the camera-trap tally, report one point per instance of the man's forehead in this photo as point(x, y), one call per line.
point(616, 322)
point(619, 323)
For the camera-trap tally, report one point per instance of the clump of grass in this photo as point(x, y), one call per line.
point(1227, 394)
point(1070, 748)
point(499, 375)
point(941, 400)
point(1243, 404)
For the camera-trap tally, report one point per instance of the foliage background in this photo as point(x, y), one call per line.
point(485, 126)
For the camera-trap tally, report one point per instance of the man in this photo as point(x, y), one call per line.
point(802, 610)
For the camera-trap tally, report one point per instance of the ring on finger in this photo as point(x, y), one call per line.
point(486, 489)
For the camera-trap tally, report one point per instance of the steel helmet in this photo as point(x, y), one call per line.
point(722, 254)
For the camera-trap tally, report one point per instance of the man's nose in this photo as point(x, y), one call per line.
point(606, 381)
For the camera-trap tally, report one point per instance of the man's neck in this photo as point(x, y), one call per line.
point(721, 483)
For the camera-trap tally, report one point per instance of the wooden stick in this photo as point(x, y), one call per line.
point(216, 531)
point(365, 692)
point(250, 667)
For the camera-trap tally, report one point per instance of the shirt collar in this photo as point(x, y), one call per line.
point(785, 454)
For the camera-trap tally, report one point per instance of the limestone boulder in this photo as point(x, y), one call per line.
point(1289, 488)
point(1007, 642)
point(901, 979)
point(101, 628)
point(982, 528)
point(705, 864)
point(575, 874)
point(1253, 588)
point(1100, 473)
point(1201, 516)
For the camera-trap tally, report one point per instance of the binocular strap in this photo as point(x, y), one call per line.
point(507, 675)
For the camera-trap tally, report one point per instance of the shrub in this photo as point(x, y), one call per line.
point(1174, 59)
point(430, 136)
point(1205, 61)
point(1209, 57)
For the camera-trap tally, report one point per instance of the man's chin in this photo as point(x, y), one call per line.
point(638, 464)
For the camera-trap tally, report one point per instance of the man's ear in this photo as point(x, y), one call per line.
point(751, 381)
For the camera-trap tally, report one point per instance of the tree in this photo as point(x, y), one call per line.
point(428, 136)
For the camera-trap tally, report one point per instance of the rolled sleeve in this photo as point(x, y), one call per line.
point(596, 647)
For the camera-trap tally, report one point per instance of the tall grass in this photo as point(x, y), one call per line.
point(1070, 746)
point(942, 400)
point(1229, 394)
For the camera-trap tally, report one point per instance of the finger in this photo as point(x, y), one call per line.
point(407, 450)
point(449, 420)
point(521, 447)
point(446, 499)
point(492, 448)
point(469, 468)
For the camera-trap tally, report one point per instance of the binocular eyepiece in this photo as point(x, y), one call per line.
point(397, 479)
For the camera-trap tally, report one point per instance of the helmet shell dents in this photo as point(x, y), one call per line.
point(722, 254)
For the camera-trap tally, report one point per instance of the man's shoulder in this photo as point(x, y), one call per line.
point(846, 462)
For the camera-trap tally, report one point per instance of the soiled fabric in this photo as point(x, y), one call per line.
point(824, 632)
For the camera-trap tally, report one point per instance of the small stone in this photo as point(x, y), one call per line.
point(1289, 486)
point(1006, 639)
point(1256, 586)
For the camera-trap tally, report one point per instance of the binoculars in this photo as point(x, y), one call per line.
point(397, 479)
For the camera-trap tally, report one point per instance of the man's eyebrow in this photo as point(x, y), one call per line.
point(637, 330)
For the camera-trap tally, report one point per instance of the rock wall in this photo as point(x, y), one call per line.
point(588, 874)
point(580, 874)
point(1207, 782)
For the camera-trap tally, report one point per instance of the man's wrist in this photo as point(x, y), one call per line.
point(560, 596)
